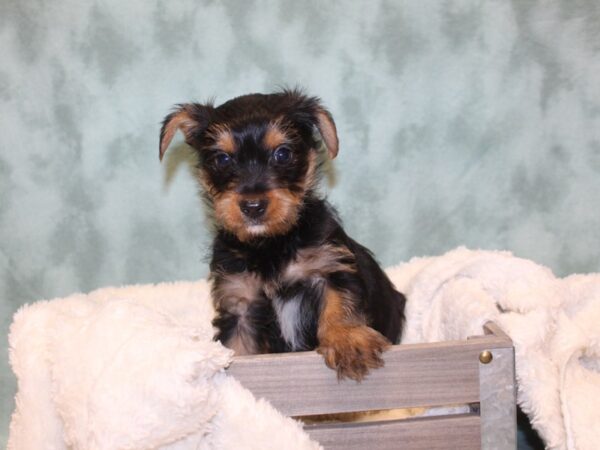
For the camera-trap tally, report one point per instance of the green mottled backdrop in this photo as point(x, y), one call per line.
point(461, 122)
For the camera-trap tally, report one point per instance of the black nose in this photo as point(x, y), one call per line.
point(254, 208)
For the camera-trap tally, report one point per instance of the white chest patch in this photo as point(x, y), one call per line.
point(288, 315)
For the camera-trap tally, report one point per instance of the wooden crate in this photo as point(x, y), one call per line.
point(416, 375)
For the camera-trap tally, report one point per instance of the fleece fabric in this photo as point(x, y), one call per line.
point(136, 368)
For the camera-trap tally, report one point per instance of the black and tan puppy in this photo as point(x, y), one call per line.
point(286, 277)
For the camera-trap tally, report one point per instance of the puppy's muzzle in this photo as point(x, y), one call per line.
point(254, 208)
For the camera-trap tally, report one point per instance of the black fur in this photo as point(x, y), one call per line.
point(318, 225)
point(257, 301)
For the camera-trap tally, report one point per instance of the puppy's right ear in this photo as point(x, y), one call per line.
point(191, 118)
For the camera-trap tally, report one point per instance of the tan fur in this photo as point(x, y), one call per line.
point(312, 263)
point(282, 211)
point(328, 132)
point(319, 261)
point(280, 216)
point(223, 138)
point(180, 121)
point(274, 136)
point(234, 293)
point(228, 213)
point(363, 416)
point(346, 343)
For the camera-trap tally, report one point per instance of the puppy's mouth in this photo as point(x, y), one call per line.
point(255, 213)
point(248, 217)
point(257, 229)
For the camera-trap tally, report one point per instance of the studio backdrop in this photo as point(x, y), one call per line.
point(460, 123)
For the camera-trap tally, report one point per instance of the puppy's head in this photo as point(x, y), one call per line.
point(258, 157)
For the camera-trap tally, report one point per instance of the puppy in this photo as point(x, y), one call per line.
point(286, 277)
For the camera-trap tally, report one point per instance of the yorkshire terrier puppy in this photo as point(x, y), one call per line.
point(286, 277)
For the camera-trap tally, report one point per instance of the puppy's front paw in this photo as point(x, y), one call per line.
point(353, 350)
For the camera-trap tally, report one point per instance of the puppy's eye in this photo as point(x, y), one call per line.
point(222, 160)
point(282, 155)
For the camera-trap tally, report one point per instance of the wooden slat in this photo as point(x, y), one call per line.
point(442, 373)
point(490, 328)
point(430, 433)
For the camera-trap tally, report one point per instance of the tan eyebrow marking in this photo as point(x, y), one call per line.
point(274, 136)
point(223, 138)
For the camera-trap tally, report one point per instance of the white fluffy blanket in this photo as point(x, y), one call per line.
point(134, 368)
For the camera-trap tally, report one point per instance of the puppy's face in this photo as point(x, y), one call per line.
point(258, 157)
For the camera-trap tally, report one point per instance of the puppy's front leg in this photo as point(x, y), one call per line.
point(245, 319)
point(348, 345)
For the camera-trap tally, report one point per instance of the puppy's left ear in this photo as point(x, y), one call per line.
point(326, 127)
point(191, 119)
point(310, 111)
